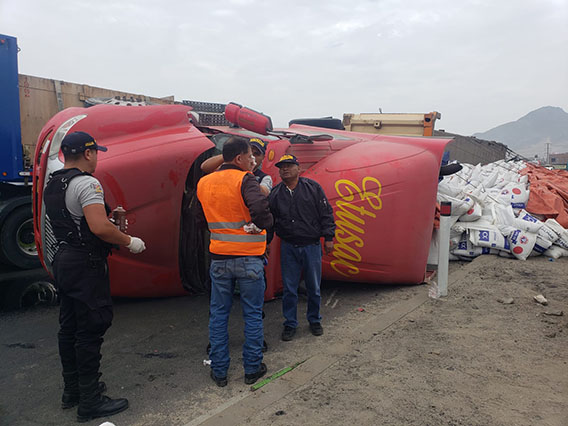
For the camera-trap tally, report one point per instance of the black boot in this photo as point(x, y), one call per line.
point(70, 397)
point(92, 404)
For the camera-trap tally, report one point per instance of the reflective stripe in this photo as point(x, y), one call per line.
point(226, 225)
point(248, 238)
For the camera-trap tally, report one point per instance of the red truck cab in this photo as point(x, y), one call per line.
point(382, 189)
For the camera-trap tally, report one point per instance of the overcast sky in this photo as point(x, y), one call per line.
point(480, 63)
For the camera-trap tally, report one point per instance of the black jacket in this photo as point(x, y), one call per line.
point(303, 217)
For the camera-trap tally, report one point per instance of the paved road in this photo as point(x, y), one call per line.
point(153, 355)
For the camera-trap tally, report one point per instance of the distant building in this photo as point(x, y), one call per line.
point(469, 149)
point(560, 159)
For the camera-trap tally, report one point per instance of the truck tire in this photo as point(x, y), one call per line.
point(23, 294)
point(17, 244)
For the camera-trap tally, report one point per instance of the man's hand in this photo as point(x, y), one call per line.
point(328, 247)
point(136, 245)
point(251, 228)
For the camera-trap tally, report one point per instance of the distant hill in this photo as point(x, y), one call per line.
point(529, 134)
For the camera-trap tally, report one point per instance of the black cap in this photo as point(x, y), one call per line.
point(287, 158)
point(259, 144)
point(77, 142)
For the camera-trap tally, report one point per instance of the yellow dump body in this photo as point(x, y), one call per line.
point(392, 124)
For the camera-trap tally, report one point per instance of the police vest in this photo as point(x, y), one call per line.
point(226, 214)
point(259, 175)
point(64, 227)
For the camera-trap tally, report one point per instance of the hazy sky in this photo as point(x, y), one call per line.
point(480, 63)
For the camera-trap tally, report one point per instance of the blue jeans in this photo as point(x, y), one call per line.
point(295, 261)
point(249, 272)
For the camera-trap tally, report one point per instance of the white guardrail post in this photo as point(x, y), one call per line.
point(444, 248)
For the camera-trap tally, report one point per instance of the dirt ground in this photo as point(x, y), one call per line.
point(389, 356)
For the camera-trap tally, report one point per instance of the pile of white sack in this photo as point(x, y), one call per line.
point(489, 216)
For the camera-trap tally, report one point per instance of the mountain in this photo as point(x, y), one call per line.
point(530, 134)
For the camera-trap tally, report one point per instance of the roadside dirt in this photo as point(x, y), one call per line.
point(467, 359)
point(388, 356)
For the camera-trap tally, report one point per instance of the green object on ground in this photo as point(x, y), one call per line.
point(280, 373)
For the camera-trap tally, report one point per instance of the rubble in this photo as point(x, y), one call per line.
point(554, 313)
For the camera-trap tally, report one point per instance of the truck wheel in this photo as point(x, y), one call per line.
point(24, 295)
point(17, 242)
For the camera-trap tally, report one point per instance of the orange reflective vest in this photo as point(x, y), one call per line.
point(226, 214)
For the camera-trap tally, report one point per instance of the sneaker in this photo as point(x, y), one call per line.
point(316, 328)
point(253, 377)
point(288, 333)
point(220, 381)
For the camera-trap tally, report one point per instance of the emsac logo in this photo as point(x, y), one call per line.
point(524, 240)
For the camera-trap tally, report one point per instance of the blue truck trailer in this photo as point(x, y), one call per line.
point(17, 246)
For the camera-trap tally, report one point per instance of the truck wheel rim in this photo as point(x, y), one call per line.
point(25, 238)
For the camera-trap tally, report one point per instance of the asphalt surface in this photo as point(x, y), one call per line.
point(153, 355)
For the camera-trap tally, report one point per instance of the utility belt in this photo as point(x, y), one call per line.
point(96, 256)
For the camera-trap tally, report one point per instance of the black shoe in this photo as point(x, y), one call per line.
point(92, 404)
point(106, 407)
point(316, 328)
point(71, 399)
point(208, 350)
point(288, 333)
point(220, 381)
point(264, 346)
point(253, 377)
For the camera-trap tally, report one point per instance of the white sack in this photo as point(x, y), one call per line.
point(522, 243)
point(528, 222)
point(556, 252)
point(490, 237)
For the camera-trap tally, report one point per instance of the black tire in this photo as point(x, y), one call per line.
point(22, 294)
point(17, 244)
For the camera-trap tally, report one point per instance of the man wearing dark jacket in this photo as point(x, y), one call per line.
point(237, 215)
point(302, 216)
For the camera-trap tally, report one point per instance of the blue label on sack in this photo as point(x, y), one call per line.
point(485, 250)
point(462, 245)
point(518, 205)
point(539, 248)
point(483, 235)
point(514, 235)
point(530, 218)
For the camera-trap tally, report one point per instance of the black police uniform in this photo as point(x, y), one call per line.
point(81, 276)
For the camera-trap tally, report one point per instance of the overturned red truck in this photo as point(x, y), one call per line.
point(382, 189)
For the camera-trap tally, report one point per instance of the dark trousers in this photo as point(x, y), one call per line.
point(81, 335)
point(85, 311)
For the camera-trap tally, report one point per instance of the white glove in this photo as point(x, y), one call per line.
point(136, 245)
point(251, 228)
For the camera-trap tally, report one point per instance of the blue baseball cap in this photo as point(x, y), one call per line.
point(287, 158)
point(76, 142)
point(259, 144)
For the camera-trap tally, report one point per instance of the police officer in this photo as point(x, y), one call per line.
point(78, 215)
